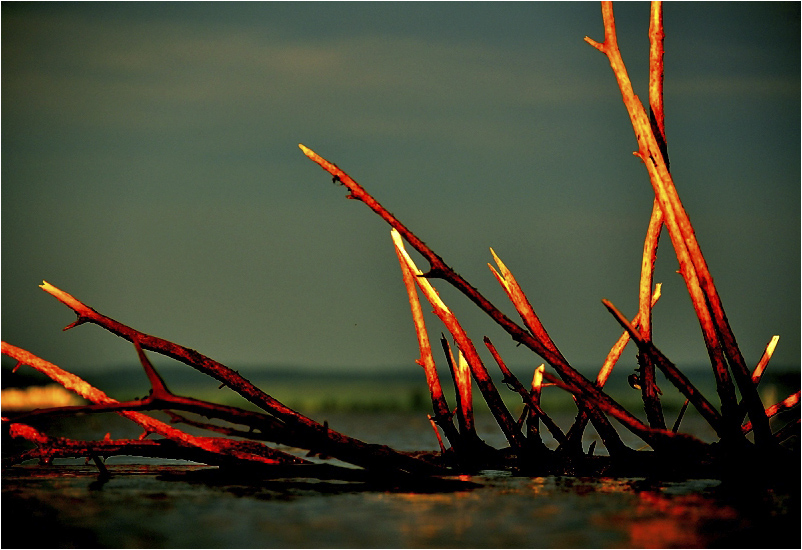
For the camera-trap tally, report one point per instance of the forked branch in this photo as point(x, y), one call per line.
point(707, 304)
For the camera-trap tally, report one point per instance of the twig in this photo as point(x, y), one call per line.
point(788, 403)
point(757, 374)
point(760, 368)
point(464, 421)
point(437, 433)
point(681, 414)
point(789, 430)
point(533, 418)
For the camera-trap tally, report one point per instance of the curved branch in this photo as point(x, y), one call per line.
point(589, 392)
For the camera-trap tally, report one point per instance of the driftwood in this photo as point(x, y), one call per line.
point(241, 445)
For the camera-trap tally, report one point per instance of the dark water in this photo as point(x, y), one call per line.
point(155, 504)
point(137, 507)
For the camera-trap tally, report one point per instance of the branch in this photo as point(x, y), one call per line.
point(672, 373)
point(519, 334)
point(345, 448)
point(516, 295)
point(618, 348)
point(715, 326)
point(442, 415)
point(578, 427)
point(238, 452)
point(478, 370)
point(90, 393)
point(649, 391)
point(531, 399)
point(760, 368)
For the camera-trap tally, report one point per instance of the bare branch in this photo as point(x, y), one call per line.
point(704, 296)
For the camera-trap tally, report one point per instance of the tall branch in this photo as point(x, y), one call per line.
point(718, 335)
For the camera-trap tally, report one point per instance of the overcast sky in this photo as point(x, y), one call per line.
point(150, 167)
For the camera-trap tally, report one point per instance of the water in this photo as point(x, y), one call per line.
point(174, 504)
point(150, 506)
point(161, 504)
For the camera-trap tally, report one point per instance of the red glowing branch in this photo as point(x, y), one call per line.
point(478, 370)
point(438, 268)
point(760, 368)
point(150, 425)
point(516, 295)
point(442, 414)
point(786, 404)
point(462, 389)
point(339, 445)
point(717, 333)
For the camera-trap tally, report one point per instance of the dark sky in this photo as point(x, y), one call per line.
point(150, 167)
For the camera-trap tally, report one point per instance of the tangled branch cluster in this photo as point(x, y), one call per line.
point(242, 443)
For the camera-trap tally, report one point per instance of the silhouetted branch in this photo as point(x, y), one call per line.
point(531, 399)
